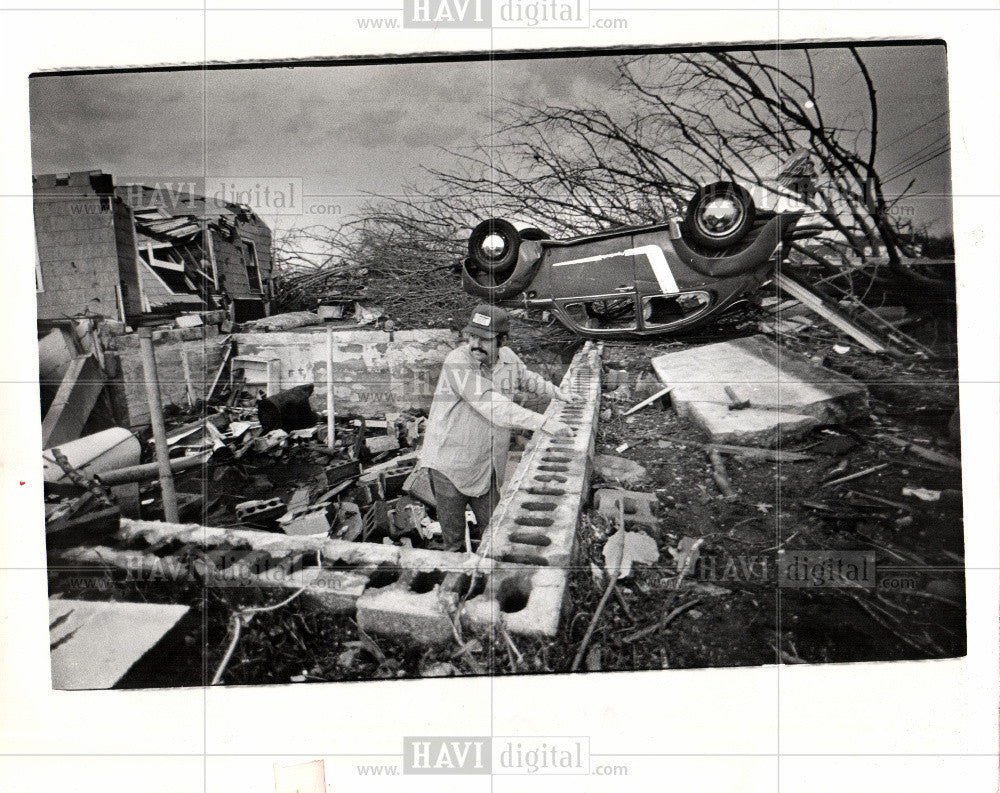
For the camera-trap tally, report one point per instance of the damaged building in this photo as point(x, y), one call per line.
point(138, 254)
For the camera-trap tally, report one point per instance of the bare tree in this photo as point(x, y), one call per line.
point(678, 121)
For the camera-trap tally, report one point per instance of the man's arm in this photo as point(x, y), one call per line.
point(481, 395)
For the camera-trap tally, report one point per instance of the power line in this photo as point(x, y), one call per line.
point(926, 160)
point(909, 161)
point(916, 155)
point(894, 141)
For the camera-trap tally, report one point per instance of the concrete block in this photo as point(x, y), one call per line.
point(540, 529)
point(783, 388)
point(416, 607)
point(639, 508)
point(188, 321)
point(306, 522)
point(534, 527)
point(260, 510)
point(618, 469)
point(526, 601)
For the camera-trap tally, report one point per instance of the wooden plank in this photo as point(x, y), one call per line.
point(188, 385)
point(820, 306)
point(74, 402)
point(649, 400)
point(922, 451)
point(222, 367)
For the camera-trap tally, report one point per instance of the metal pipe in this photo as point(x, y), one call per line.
point(147, 471)
point(159, 429)
point(329, 388)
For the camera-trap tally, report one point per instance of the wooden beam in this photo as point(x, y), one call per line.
point(826, 310)
point(777, 455)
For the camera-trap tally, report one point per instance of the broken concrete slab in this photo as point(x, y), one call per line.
point(279, 322)
point(95, 643)
point(749, 426)
point(788, 393)
point(638, 508)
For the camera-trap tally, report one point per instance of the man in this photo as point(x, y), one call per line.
point(468, 430)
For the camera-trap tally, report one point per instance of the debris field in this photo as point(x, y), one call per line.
point(666, 534)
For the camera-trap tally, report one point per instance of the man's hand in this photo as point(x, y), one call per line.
point(570, 396)
point(559, 429)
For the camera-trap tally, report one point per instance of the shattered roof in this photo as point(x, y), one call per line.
point(180, 214)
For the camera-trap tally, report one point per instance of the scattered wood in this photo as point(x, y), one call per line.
point(930, 455)
point(188, 384)
point(226, 355)
point(75, 400)
point(878, 499)
point(662, 623)
point(775, 455)
point(612, 581)
point(858, 475)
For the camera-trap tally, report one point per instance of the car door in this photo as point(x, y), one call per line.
point(593, 282)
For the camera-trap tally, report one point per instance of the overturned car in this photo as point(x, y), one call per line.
point(635, 281)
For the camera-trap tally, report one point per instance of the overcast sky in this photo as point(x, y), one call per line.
point(347, 130)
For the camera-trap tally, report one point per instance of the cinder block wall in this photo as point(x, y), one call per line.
point(372, 375)
point(78, 253)
point(204, 348)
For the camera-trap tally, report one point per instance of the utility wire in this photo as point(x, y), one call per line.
point(916, 155)
point(926, 160)
point(894, 141)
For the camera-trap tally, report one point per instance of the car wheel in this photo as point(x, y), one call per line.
point(719, 215)
point(493, 246)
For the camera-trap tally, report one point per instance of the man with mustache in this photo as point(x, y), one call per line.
point(471, 417)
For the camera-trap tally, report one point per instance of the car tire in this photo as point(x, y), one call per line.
point(719, 215)
point(493, 246)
